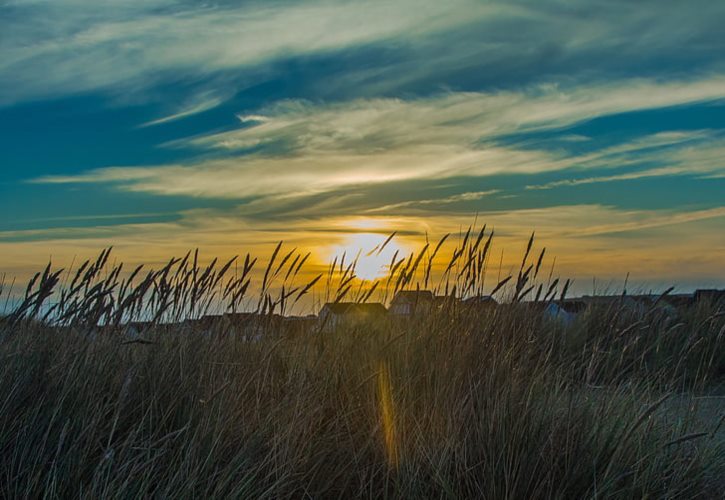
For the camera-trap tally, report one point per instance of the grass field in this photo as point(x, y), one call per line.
point(454, 403)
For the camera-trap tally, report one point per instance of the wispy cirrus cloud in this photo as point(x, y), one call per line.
point(139, 44)
point(130, 47)
point(447, 200)
point(654, 172)
point(697, 153)
point(459, 118)
point(199, 104)
point(308, 149)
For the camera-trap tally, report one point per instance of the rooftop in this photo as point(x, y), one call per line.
point(355, 308)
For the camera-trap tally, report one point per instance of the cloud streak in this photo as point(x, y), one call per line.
point(61, 47)
point(453, 118)
point(142, 43)
point(309, 149)
point(201, 104)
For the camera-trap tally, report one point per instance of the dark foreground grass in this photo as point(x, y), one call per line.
point(454, 404)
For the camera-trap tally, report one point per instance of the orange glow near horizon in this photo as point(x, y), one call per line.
point(587, 241)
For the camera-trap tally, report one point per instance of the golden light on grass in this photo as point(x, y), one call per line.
point(387, 414)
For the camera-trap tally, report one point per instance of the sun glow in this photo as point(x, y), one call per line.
point(373, 254)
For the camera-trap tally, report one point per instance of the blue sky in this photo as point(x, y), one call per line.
point(160, 125)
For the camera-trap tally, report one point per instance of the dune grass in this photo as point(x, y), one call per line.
point(455, 403)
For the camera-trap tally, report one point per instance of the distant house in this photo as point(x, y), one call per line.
point(336, 314)
point(295, 325)
point(639, 304)
point(573, 306)
point(679, 300)
point(635, 303)
point(242, 321)
point(480, 303)
point(238, 318)
point(204, 324)
point(135, 329)
point(248, 325)
point(562, 312)
point(556, 312)
point(407, 303)
point(445, 302)
point(713, 296)
point(603, 300)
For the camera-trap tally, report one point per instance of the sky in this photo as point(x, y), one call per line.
point(158, 126)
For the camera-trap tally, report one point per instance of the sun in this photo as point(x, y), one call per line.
point(373, 258)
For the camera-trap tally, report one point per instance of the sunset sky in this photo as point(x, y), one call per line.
point(158, 126)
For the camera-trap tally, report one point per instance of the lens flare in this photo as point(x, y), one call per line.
point(387, 414)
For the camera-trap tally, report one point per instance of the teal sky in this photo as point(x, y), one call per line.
point(159, 125)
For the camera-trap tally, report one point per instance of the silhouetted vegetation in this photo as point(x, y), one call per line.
point(122, 384)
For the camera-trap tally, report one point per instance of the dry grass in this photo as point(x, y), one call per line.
point(455, 404)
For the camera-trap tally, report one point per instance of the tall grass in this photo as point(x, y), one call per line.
point(454, 403)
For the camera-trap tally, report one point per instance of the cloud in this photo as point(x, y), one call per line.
point(253, 176)
point(60, 47)
point(650, 220)
point(111, 174)
point(140, 44)
point(655, 172)
point(307, 149)
point(200, 104)
point(239, 179)
point(463, 118)
point(457, 198)
point(697, 153)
